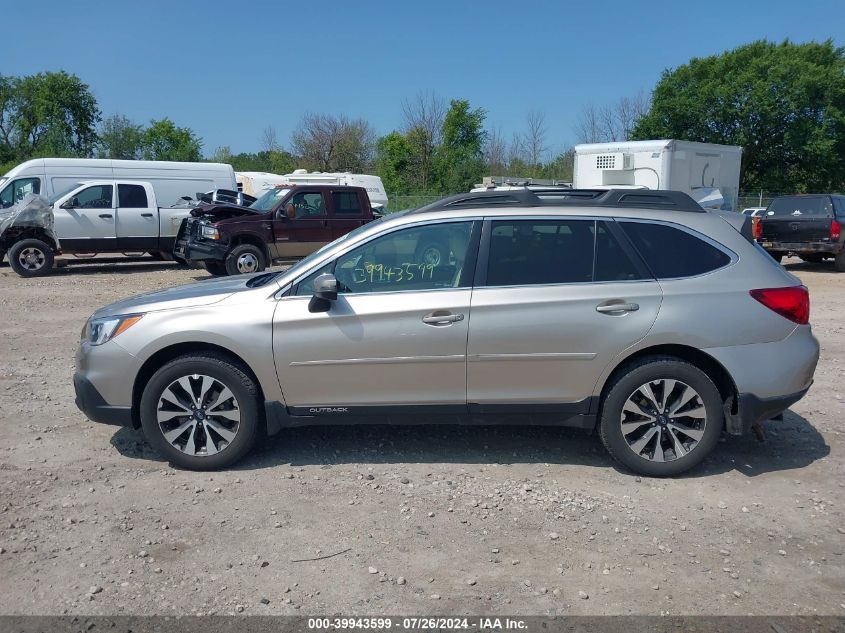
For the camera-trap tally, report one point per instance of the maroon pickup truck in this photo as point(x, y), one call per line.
point(287, 222)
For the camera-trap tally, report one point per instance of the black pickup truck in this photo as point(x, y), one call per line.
point(809, 226)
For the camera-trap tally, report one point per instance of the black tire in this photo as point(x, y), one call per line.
point(652, 370)
point(244, 259)
point(230, 374)
point(2, 256)
point(31, 258)
point(813, 258)
point(218, 269)
point(777, 257)
point(157, 255)
point(433, 252)
point(839, 261)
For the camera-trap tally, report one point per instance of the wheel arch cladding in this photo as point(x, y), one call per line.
point(167, 354)
point(703, 361)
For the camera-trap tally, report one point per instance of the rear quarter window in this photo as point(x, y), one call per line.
point(671, 253)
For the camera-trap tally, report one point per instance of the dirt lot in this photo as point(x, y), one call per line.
point(430, 519)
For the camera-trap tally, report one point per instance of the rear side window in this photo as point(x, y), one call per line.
point(346, 203)
point(612, 263)
point(670, 253)
point(131, 197)
point(525, 252)
point(800, 205)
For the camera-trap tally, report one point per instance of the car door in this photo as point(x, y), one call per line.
point(395, 338)
point(85, 220)
point(308, 230)
point(137, 224)
point(556, 299)
point(346, 212)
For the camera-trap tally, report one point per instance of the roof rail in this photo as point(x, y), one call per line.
point(555, 196)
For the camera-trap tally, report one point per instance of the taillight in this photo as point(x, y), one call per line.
point(756, 228)
point(835, 231)
point(792, 303)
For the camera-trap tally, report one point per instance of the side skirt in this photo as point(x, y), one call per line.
point(580, 415)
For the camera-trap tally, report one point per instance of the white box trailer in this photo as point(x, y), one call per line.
point(706, 171)
point(171, 180)
point(256, 183)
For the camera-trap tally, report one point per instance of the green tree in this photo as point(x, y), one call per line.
point(783, 103)
point(163, 140)
point(459, 160)
point(394, 157)
point(120, 138)
point(48, 114)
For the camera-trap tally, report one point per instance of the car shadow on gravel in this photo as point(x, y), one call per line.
point(790, 444)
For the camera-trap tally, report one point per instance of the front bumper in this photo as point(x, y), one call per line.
point(199, 251)
point(92, 404)
point(751, 410)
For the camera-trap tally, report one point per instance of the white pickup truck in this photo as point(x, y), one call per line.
point(95, 216)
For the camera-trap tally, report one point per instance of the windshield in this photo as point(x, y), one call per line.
point(62, 192)
point(270, 199)
point(800, 205)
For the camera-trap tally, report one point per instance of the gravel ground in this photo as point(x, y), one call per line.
point(421, 519)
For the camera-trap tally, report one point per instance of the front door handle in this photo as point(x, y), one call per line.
point(613, 308)
point(441, 317)
point(146, 215)
point(106, 216)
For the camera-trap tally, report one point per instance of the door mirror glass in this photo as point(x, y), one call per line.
point(325, 291)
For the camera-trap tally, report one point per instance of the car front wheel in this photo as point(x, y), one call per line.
point(201, 412)
point(662, 417)
point(31, 258)
point(245, 259)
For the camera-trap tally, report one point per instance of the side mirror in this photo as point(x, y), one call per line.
point(290, 211)
point(70, 204)
point(325, 291)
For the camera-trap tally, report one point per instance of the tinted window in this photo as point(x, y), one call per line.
point(612, 263)
point(839, 206)
point(308, 204)
point(132, 197)
point(346, 203)
point(96, 197)
point(670, 252)
point(800, 205)
point(416, 258)
point(526, 252)
point(17, 190)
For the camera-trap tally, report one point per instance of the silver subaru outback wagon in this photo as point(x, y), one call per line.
point(634, 312)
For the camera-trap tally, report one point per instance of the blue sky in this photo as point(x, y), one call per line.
point(229, 69)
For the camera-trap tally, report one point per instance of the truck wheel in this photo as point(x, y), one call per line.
point(244, 259)
point(812, 258)
point(434, 253)
point(2, 255)
point(31, 258)
point(839, 261)
point(776, 256)
point(218, 269)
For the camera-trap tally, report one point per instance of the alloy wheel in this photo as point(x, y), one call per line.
point(32, 258)
point(247, 263)
point(198, 415)
point(663, 420)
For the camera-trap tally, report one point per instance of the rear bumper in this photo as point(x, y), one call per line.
point(751, 410)
point(801, 247)
point(92, 404)
point(199, 251)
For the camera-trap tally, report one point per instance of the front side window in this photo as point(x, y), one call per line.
point(17, 190)
point(528, 252)
point(132, 197)
point(415, 258)
point(95, 197)
point(671, 253)
point(308, 204)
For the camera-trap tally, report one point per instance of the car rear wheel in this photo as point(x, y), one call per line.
point(201, 412)
point(839, 261)
point(31, 258)
point(661, 417)
point(245, 259)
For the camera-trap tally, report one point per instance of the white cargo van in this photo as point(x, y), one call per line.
point(256, 183)
point(170, 180)
point(706, 171)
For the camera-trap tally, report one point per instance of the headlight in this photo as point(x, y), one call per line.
point(209, 232)
point(98, 331)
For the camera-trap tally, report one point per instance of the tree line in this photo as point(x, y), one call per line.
point(783, 103)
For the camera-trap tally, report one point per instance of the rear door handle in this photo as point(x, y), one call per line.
point(105, 216)
point(441, 317)
point(146, 215)
point(612, 308)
